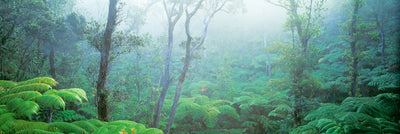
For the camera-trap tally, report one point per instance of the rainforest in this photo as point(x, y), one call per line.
point(199, 66)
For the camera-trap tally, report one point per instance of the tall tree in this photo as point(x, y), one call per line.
point(212, 7)
point(173, 15)
point(104, 60)
point(304, 17)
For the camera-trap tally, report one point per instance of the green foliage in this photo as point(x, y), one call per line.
point(7, 84)
point(356, 115)
point(52, 101)
point(40, 87)
point(68, 127)
point(44, 80)
point(86, 125)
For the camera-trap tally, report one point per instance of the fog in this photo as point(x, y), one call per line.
point(222, 67)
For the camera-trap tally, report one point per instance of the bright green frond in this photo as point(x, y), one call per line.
point(27, 108)
point(150, 131)
point(86, 125)
point(201, 100)
point(44, 80)
point(36, 131)
point(122, 122)
point(68, 128)
point(101, 130)
point(69, 96)
point(26, 95)
point(23, 126)
point(6, 121)
point(13, 104)
point(80, 92)
point(96, 122)
point(138, 127)
point(53, 101)
point(7, 84)
point(40, 87)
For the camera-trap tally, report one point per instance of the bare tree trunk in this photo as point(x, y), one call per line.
point(268, 64)
point(51, 61)
point(353, 43)
point(179, 86)
point(173, 17)
point(105, 53)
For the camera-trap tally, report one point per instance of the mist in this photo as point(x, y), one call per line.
point(199, 66)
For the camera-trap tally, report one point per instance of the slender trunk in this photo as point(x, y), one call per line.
point(353, 43)
point(105, 53)
point(51, 61)
point(165, 79)
point(268, 64)
point(49, 115)
point(179, 86)
point(172, 20)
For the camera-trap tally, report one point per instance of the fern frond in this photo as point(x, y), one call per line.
point(150, 131)
point(391, 103)
point(36, 131)
point(27, 109)
point(6, 121)
point(68, 128)
point(211, 117)
point(7, 84)
point(228, 111)
point(327, 111)
point(86, 125)
point(23, 126)
point(69, 96)
point(101, 130)
point(44, 80)
point(329, 126)
point(80, 92)
point(26, 95)
point(53, 101)
point(267, 124)
point(96, 122)
point(366, 105)
point(281, 111)
point(40, 87)
point(202, 100)
point(221, 102)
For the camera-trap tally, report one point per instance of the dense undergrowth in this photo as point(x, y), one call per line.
point(23, 104)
